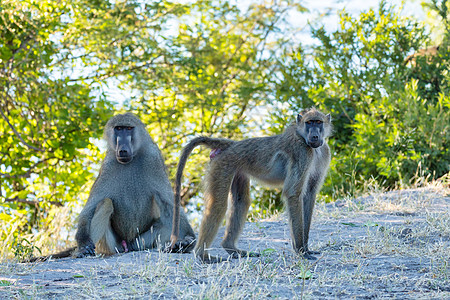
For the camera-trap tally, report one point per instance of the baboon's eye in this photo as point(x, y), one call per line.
point(308, 122)
point(319, 122)
point(119, 128)
point(129, 127)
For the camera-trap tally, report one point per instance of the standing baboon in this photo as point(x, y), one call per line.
point(130, 205)
point(297, 160)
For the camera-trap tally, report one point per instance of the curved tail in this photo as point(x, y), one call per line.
point(213, 143)
point(62, 254)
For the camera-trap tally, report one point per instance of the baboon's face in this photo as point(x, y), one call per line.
point(314, 127)
point(123, 136)
point(314, 133)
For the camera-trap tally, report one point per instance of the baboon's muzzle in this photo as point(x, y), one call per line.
point(314, 140)
point(124, 155)
point(124, 152)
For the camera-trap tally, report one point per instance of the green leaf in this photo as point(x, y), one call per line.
point(350, 224)
point(268, 251)
point(5, 283)
point(370, 224)
point(305, 274)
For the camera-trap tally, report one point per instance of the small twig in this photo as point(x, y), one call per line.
point(17, 133)
point(31, 202)
point(27, 173)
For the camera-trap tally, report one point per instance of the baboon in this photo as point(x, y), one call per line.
point(297, 160)
point(130, 205)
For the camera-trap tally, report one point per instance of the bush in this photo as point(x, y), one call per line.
point(391, 118)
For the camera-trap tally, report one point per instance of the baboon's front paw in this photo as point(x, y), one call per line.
point(184, 246)
point(308, 256)
point(87, 250)
point(175, 248)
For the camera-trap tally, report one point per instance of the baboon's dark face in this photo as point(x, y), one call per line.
point(124, 143)
point(314, 133)
point(314, 127)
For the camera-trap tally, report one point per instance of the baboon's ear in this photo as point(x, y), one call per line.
point(328, 118)
point(299, 118)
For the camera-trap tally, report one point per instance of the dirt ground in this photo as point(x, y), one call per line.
point(391, 245)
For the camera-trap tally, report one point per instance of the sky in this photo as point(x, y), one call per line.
point(354, 7)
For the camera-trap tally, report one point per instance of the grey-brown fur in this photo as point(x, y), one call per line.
point(129, 202)
point(287, 160)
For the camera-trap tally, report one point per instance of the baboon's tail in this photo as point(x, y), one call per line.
point(213, 143)
point(62, 254)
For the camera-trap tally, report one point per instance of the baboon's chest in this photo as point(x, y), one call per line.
point(132, 212)
point(129, 220)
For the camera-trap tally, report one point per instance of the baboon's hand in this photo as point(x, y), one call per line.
point(184, 246)
point(306, 254)
point(86, 250)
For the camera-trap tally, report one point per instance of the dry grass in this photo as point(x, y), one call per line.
point(382, 245)
point(54, 237)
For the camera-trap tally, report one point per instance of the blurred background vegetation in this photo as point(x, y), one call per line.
point(213, 68)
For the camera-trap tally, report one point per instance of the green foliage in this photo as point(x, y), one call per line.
point(23, 249)
point(46, 120)
point(205, 67)
point(5, 283)
point(391, 120)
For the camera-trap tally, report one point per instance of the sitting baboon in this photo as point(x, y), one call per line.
point(131, 202)
point(297, 160)
point(130, 205)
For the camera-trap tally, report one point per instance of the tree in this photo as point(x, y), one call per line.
point(387, 129)
point(46, 121)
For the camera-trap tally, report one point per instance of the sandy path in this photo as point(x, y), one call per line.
point(394, 245)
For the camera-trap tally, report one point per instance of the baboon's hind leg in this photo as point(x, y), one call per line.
point(101, 231)
point(216, 198)
point(240, 202)
point(155, 237)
